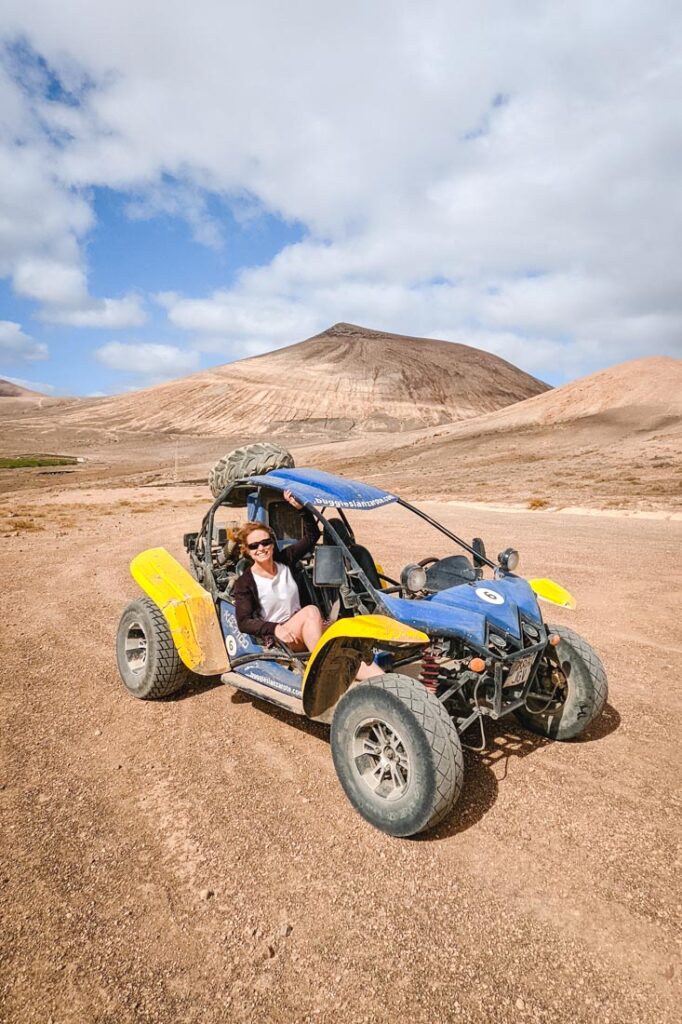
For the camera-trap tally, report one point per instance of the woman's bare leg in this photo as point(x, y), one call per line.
point(367, 671)
point(308, 626)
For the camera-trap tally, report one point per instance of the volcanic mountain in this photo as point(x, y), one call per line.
point(347, 379)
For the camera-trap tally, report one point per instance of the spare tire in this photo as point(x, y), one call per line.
point(250, 460)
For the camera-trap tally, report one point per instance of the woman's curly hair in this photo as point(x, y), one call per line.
point(241, 535)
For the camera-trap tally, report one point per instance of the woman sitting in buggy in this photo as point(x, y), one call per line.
point(268, 600)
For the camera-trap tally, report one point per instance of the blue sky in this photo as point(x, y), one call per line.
point(150, 255)
point(204, 189)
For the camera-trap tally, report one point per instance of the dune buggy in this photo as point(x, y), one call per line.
point(459, 639)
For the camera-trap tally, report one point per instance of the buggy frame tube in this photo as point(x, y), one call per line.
point(206, 533)
point(380, 607)
point(344, 520)
point(448, 533)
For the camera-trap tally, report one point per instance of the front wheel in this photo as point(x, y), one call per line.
point(568, 694)
point(397, 754)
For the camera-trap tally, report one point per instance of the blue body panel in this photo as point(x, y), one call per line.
point(437, 617)
point(325, 489)
point(271, 673)
point(255, 513)
point(463, 611)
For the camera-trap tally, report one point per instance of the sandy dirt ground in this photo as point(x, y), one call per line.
point(195, 860)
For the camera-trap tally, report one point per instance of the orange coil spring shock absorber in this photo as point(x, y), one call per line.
point(428, 676)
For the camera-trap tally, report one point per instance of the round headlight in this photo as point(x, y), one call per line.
point(508, 559)
point(413, 578)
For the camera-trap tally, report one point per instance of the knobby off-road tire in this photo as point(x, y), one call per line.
point(397, 754)
point(587, 691)
point(148, 662)
point(251, 460)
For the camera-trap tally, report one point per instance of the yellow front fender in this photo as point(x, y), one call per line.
point(187, 608)
point(334, 662)
point(548, 590)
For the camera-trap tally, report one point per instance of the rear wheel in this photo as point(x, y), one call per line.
point(397, 754)
point(569, 694)
point(148, 661)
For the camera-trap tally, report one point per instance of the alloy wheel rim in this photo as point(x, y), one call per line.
point(381, 759)
point(136, 648)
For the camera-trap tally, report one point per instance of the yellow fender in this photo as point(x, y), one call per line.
point(334, 662)
point(187, 608)
point(548, 590)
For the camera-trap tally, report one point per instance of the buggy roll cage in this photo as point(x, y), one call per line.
point(206, 532)
point(355, 571)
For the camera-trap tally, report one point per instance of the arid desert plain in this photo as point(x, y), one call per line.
point(194, 859)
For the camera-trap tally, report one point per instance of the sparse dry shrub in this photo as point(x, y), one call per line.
point(31, 461)
point(18, 524)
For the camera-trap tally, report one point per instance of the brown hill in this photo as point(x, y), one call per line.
point(641, 393)
point(608, 437)
point(347, 379)
point(10, 390)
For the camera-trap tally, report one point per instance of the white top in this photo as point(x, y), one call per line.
point(278, 596)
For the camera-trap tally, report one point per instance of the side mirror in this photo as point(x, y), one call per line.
point(479, 552)
point(329, 569)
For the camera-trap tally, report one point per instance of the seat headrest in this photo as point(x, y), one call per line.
point(342, 530)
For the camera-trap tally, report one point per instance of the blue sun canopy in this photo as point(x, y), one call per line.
point(324, 489)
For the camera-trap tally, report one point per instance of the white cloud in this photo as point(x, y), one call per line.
point(63, 291)
point(49, 281)
point(229, 319)
point(114, 313)
point(14, 344)
point(152, 361)
point(44, 221)
point(507, 175)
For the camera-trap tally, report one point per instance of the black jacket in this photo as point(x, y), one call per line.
point(246, 601)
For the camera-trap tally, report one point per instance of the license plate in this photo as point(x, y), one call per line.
point(519, 672)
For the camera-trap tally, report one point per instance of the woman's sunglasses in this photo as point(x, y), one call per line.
point(260, 544)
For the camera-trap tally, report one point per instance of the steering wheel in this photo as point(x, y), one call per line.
point(427, 561)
